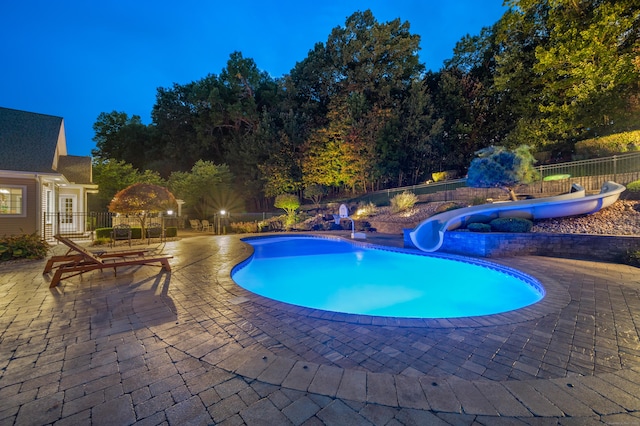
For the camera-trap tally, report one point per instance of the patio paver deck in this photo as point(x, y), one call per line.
point(191, 347)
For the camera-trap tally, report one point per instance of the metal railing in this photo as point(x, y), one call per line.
point(591, 174)
point(617, 164)
point(83, 224)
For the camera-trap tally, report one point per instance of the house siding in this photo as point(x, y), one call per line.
point(26, 224)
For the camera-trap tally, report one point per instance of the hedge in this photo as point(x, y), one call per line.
point(608, 145)
point(136, 233)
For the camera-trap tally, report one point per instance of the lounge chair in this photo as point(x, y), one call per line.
point(79, 260)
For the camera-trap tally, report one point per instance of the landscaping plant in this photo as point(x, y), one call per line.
point(511, 224)
point(403, 202)
point(30, 246)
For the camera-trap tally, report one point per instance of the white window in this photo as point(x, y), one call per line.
point(12, 199)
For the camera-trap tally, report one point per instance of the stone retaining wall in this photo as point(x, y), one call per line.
point(608, 248)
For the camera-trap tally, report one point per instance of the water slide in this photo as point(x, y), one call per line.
point(429, 234)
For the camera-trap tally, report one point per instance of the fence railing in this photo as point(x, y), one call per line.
point(83, 224)
point(591, 174)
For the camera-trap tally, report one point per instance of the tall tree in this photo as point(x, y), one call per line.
point(112, 176)
point(587, 66)
point(206, 189)
point(121, 137)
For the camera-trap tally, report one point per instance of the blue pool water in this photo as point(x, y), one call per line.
point(339, 276)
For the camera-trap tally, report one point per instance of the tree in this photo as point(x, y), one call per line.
point(315, 192)
point(112, 176)
point(206, 189)
point(141, 199)
point(124, 138)
point(289, 203)
point(587, 65)
point(497, 167)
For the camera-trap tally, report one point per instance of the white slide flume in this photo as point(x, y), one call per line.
point(429, 234)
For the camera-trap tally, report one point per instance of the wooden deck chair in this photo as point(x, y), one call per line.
point(206, 226)
point(195, 224)
point(79, 260)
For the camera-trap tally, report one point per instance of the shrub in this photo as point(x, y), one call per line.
point(366, 209)
point(633, 191)
point(511, 224)
point(445, 175)
point(632, 258)
point(101, 241)
point(477, 201)
point(479, 227)
point(24, 246)
point(608, 145)
point(103, 233)
point(446, 207)
point(244, 227)
point(403, 202)
point(136, 233)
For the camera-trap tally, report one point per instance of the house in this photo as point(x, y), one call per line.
point(43, 190)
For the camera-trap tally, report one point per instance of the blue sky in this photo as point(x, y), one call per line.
point(76, 59)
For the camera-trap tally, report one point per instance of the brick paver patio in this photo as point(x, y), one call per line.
point(191, 347)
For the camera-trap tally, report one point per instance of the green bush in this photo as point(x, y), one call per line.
point(136, 233)
point(608, 145)
point(103, 233)
point(445, 207)
point(632, 258)
point(511, 224)
point(24, 246)
point(632, 192)
point(445, 175)
point(478, 201)
point(479, 227)
point(366, 209)
point(101, 241)
point(403, 202)
point(244, 227)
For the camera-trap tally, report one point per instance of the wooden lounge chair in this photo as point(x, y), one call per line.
point(79, 260)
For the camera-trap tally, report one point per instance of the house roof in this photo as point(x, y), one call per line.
point(28, 140)
point(76, 169)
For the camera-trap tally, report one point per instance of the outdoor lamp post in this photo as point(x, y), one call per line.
point(222, 213)
point(170, 215)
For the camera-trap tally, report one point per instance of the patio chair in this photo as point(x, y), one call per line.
point(195, 224)
point(121, 232)
point(154, 230)
point(79, 260)
point(206, 226)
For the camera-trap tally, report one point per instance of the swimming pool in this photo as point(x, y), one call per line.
point(340, 276)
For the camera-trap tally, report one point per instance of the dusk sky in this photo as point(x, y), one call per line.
point(76, 59)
